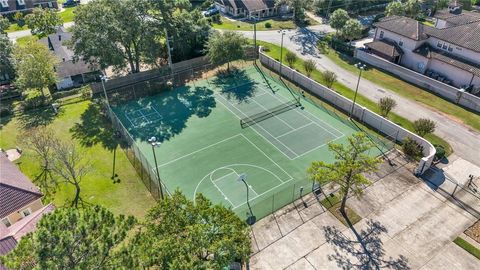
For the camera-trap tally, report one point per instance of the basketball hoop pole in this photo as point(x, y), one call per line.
point(251, 219)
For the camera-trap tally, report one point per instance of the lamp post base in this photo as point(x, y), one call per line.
point(251, 220)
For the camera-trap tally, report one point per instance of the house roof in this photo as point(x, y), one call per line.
point(457, 19)
point(16, 190)
point(66, 67)
point(430, 52)
point(466, 35)
point(386, 47)
point(250, 5)
point(404, 26)
point(7, 244)
point(28, 224)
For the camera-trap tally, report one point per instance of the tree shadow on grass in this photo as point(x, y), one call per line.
point(94, 128)
point(38, 117)
point(175, 108)
point(235, 85)
point(365, 251)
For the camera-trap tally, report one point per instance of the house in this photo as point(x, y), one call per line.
point(71, 72)
point(21, 205)
point(250, 8)
point(13, 6)
point(448, 52)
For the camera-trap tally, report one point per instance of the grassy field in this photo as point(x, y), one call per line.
point(410, 91)
point(82, 123)
point(274, 51)
point(468, 247)
point(23, 40)
point(66, 15)
point(261, 26)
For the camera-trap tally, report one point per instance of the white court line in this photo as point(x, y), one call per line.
point(224, 196)
point(237, 175)
point(269, 158)
point(313, 149)
point(128, 118)
point(342, 134)
point(260, 195)
point(228, 174)
point(196, 151)
point(256, 131)
point(288, 132)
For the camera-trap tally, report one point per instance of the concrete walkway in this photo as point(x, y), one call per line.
point(405, 225)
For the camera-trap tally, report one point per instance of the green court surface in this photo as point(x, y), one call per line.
point(205, 148)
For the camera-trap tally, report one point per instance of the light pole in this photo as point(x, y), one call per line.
point(251, 219)
point(104, 79)
point(169, 50)
point(154, 143)
point(281, 51)
point(361, 67)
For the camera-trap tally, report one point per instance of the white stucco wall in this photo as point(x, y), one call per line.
point(457, 50)
point(459, 77)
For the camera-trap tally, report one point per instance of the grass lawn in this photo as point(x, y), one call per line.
point(410, 91)
point(82, 123)
point(23, 40)
point(67, 14)
point(15, 27)
point(468, 247)
point(276, 24)
point(274, 51)
point(332, 203)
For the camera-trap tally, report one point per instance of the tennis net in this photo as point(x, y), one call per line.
point(261, 116)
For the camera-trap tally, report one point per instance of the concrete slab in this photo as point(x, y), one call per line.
point(288, 221)
point(266, 232)
point(452, 257)
point(301, 264)
point(460, 169)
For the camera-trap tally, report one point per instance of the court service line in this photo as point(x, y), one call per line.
point(199, 150)
point(342, 134)
point(288, 132)
point(259, 195)
point(281, 168)
point(228, 174)
point(276, 116)
point(313, 149)
point(233, 172)
point(224, 196)
point(256, 131)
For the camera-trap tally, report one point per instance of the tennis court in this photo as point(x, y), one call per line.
point(249, 123)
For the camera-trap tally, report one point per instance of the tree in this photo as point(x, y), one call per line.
point(309, 66)
point(423, 126)
point(441, 4)
point(291, 58)
point(225, 47)
point(352, 29)
point(412, 8)
point(43, 22)
point(386, 104)
point(394, 8)
point(69, 238)
point(329, 78)
point(112, 33)
point(182, 234)
point(6, 49)
point(41, 141)
point(34, 65)
point(347, 172)
point(70, 165)
point(338, 19)
point(466, 4)
point(299, 7)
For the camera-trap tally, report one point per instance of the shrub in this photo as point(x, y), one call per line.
point(217, 19)
point(322, 46)
point(268, 25)
point(309, 66)
point(411, 148)
point(329, 78)
point(33, 99)
point(423, 126)
point(440, 152)
point(5, 112)
point(62, 94)
point(291, 58)
point(386, 104)
point(86, 92)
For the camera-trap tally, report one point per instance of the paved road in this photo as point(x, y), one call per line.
point(462, 138)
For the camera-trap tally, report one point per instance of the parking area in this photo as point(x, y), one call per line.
point(405, 225)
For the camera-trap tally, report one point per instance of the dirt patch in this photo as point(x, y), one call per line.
point(474, 231)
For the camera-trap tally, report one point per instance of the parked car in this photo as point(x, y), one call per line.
point(210, 12)
point(71, 3)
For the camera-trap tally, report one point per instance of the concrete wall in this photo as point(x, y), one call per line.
point(459, 77)
point(444, 90)
point(366, 116)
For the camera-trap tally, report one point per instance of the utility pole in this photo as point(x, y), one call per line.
point(169, 50)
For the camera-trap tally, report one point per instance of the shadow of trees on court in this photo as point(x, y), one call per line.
point(175, 109)
point(95, 128)
point(364, 251)
point(235, 85)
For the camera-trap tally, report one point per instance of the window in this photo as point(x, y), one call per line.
point(439, 44)
point(25, 212)
point(4, 3)
point(381, 34)
point(50, 4)
point(445, 46)
point(21, 2)
point(400, 43)
point(6, 222)
point(450, 48)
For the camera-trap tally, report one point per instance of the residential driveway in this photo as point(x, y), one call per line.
point(462, 138)
point(405, 225)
